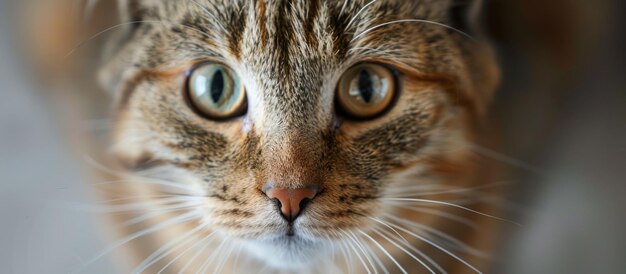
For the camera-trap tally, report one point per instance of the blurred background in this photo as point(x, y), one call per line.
point(560, 116)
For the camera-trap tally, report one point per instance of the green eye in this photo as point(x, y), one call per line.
point(366, 90)
point(216, 92)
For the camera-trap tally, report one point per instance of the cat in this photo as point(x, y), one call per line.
point(299, 136)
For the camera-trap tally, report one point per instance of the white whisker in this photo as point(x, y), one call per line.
point(454, 241)
point(417, 251)
point(350, 243)
point(364, 251)
point(203, 240)
point(206, 239)
point(223, 259)
point(437, 247)
point(407, 191)
point(410, 21)
point(451, 205)
point(359, 13)
point(440, 213)
point(372, 253)
point(384, 251)
point(205, 266)
point(347, 257)
point(503, 158)
point(176, 220)
point(391, 228)
point(405, 251)
point(166, 249)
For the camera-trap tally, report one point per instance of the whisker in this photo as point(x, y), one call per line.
point(411, 21)
point(166, 249)
point(454, 241)
point(347, 257)
point(98, 34)
point(236, 260)
point(176, 220)
point(350, 243)
point(372, 253)
point(343, 7)
point(386, 225)
point(144, 206)
point(380, 52)
point(205, 266)
point(437, 247)
point(155, 213)
point(367, 254)
point(359, 13)
point(223, 260)
point(451, 205)
point(206, 238)
point(404, 250)
point(384, 251)
point(103, 32)
point(503, 158)
point(407, 191)
point(417, 251)
point(442, 214)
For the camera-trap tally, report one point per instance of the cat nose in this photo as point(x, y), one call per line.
point(292, 200)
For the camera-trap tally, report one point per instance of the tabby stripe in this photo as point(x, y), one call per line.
point(238, 27)
point(262, 21)
point(283, 38)
point(312, 14)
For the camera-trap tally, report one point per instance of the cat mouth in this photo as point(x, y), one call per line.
point(291, 231)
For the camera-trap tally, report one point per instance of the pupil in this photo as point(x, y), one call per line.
point(217, 86)
point(366, 86)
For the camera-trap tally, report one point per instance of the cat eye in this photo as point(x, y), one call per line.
point(366, 90)
point(216, 92)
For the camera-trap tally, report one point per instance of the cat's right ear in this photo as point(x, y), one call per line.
point(133, 13)
point(130, 16)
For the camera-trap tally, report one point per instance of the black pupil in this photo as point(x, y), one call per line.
point(366, 87)
point(217, 86)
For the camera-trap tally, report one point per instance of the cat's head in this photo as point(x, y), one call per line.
point(294, 119)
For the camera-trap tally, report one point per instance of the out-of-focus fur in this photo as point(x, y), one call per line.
point(170, 162)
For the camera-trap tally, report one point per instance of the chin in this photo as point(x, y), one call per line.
point(289, 252)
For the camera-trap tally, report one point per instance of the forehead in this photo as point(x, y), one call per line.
point(324, 32)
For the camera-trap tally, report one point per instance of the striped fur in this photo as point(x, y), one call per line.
point(290, 55)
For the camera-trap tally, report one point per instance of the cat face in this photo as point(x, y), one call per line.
point(288, 164)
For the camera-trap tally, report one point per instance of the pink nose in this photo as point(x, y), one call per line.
point(292, 201)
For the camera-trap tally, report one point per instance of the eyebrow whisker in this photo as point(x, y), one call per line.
point(411, 21)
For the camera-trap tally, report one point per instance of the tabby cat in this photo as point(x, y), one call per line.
point(317, 136)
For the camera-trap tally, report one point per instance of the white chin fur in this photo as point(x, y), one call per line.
point(288, 254)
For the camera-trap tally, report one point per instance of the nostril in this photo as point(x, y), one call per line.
point(304, 203)
point(278, 203)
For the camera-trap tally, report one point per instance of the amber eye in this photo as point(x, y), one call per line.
point(366, 90)
point(216, 92)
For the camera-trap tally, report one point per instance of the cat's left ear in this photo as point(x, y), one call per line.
point(466, 15)
point(479, 58)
